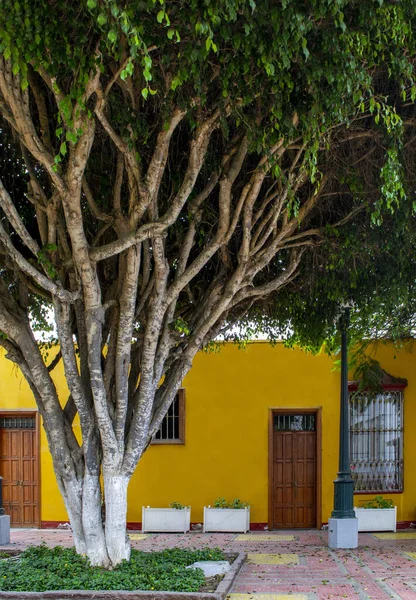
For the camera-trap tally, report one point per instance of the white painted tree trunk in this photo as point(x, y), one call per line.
point(92, 522)
point(72, 495)
point(115, 492)
point(104, 545)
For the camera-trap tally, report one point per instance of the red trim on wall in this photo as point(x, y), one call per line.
point(259, 526)
point(136, 526)
point(54, 524)
point(390, 387)
point(399, 525)
point(403, 525)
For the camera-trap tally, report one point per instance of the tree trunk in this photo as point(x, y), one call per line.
point(118, 543)
point(95, 538)
point(107, 544)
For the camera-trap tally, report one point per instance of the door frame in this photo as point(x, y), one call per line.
point(24, 412)
point(317, 411)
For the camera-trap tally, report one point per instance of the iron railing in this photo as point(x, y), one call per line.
point(376, 440)
point(285, 422)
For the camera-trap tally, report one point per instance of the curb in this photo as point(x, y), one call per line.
point(219, 594)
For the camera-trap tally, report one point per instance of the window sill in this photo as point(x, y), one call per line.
point(167, 442)
point(378, 493)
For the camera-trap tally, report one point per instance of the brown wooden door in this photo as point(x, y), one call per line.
point(19, 469)
point(294, 471)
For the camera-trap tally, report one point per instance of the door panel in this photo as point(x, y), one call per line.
point(19, 469)
point(294, 471)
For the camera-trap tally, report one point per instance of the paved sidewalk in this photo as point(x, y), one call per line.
point(290, 565)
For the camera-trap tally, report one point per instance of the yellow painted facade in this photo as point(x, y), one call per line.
point(228, 398)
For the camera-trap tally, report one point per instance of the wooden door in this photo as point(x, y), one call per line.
point(294, 471)
point(19, 469)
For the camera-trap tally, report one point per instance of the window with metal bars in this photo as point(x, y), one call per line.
point(172, 429)
point(376, 440)
point(285, 422)
point(17, 423)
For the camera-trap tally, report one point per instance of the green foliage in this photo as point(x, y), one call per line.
point(223, 503)
point(367, 266)
point(177, 505)
point(40, 568)
point(379, 502)
point(45, 260)
point(306, 58)
point(181, 326)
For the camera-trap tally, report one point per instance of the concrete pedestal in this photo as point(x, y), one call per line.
point(343, 533)
point(4, 529)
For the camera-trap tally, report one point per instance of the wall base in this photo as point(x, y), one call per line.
point(343, 533)
point(4, 529)
point(137, 526)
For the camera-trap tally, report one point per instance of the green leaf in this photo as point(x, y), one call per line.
point(160, 16)
point(127, 71)
point(62, 149)
point(71, 136)
point(112, 36)
point(145, 93)
point(102, 19)
point(305, 48)
point(91, 4)
point(176, 82)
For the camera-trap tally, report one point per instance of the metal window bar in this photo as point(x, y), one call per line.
point(17, 423)
point(169, 429)
point(376, 440)
point(305, 422)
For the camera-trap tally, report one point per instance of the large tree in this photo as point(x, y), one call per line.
point(169, 167)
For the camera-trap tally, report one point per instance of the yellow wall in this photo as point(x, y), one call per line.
point(228, 397)
point(15, 394)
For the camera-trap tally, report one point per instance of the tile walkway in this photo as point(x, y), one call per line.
point(290, 565)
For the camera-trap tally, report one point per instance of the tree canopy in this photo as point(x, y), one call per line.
point(169, 168)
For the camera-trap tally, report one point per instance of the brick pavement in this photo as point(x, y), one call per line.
point(297, 565)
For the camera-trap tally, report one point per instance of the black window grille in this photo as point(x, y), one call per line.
point(294, 422)
point(172, 429)
point(376, 440)
point(17, 423)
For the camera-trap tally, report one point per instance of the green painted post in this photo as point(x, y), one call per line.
point(344, 484)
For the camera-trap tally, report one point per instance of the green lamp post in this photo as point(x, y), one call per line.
point(344, 484)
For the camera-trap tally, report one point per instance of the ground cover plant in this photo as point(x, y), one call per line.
point(166, 168)
point(40, 568)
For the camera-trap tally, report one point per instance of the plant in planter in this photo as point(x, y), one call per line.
point(227, 516)
point(377, 514)
point(176, 518)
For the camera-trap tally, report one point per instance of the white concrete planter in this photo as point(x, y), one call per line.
point(166, 519)
point(376, 519)
point(226, 519)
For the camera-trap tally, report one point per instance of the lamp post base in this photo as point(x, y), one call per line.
point(4, 529)
point(343, 533)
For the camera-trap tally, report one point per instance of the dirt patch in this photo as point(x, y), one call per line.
point(211, 583)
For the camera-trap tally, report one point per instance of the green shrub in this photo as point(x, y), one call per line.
point(177, 505)
point(379, 502)
point(40, 568)
point(236, 503)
